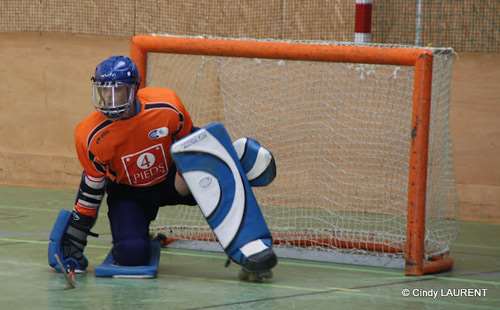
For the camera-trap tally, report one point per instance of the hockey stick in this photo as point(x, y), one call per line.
point(69, 275)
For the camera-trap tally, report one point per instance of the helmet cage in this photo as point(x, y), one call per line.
point(113, 99)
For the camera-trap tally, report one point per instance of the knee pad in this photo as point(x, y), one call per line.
point(109, 268)
point(257, 161)
point(131, 252)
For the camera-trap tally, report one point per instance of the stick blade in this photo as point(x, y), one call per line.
point(69, 274)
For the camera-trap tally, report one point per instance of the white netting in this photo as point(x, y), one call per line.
point(340, 134)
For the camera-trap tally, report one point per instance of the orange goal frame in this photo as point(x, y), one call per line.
point(420, 58)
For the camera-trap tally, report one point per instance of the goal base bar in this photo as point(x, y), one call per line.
point(434, 265)
point(440, 263)
point(385, 261)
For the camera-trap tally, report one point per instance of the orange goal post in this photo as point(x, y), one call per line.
point(360, 134)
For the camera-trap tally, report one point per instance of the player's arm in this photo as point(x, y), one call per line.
point(183, 126)
point(69, 233)
point(91, 189)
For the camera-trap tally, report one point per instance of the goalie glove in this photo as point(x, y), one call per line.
point(68, 240)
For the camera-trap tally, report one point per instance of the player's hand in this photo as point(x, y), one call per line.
point(74, 241)
point(73, 257)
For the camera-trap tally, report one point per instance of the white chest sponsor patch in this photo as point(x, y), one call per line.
point(146, 166)
point(158, 133)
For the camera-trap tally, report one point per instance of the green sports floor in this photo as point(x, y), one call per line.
point(198, 280)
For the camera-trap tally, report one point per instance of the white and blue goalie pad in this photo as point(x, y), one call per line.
point(108, 268)
point(257, 161)
point(211, 168)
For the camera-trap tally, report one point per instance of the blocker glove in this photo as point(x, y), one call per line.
point(68, 240)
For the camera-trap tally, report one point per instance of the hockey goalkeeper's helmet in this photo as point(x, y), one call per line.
point(114, 86)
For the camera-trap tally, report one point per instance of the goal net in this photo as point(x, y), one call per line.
point(360, 135)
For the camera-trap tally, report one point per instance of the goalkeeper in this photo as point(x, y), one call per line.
point(125, 150)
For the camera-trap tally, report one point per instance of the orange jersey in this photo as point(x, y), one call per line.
point(133, 151)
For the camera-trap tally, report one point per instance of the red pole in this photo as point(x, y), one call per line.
point(363, 21)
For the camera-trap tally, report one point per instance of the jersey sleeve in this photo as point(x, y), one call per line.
point(91, 189)
point(90, 165)
point(185, 124)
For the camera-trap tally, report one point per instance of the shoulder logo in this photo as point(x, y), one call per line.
point(158, 133)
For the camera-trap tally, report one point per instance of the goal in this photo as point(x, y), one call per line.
point(360, 134)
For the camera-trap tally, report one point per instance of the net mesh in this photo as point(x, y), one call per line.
point(340, 133)
point(466, 25)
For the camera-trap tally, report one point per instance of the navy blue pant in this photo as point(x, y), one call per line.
point(130, 212)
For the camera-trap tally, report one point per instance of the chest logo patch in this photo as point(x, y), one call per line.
point(158, 133)
point(146, 166)
point(146, 160)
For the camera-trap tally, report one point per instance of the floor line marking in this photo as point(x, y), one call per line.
point(465, 280)
point(26, 208)
point(465, 245)
point(423, 300)
point(190, 277)
point(273, 285)
point(332, 267)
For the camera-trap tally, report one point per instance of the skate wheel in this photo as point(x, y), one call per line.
point(253, 276)
point(162, 239)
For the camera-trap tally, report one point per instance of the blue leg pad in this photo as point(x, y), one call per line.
point(257, 161)
point(109, 269)
point(213, 172)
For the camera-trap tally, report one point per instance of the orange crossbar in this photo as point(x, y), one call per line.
point(421, 59)
point(142, 44)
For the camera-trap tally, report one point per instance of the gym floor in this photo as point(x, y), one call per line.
point(198, 280)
